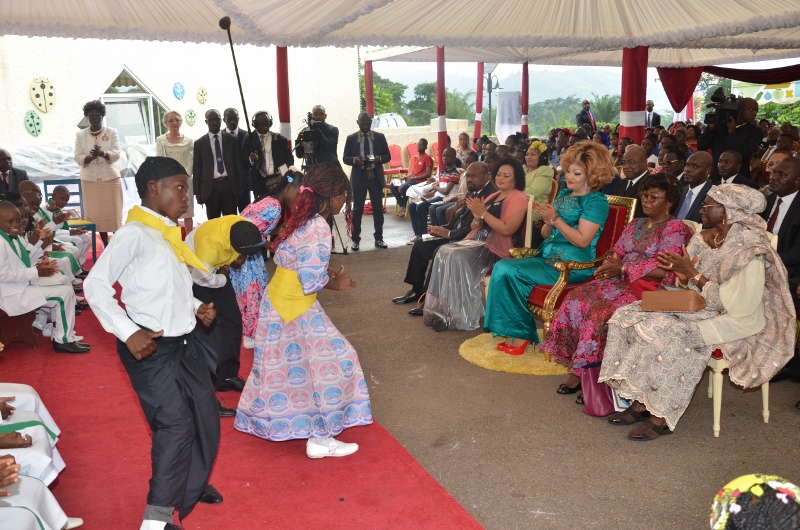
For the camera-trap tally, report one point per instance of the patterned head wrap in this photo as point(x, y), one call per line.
point(742, 204)
point(756, 502)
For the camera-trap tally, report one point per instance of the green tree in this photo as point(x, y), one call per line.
point(422, 109)
point(606, 108)
point(460, 106)
point(552, 113)
point(780, 112)
point(388, 95)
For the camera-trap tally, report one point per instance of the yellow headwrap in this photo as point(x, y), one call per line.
point(212, 241)
point(539, 146)
point(172, 234)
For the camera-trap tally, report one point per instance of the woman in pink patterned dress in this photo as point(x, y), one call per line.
point(577, 334)
point(306, 381)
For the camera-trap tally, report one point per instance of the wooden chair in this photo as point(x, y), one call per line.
point(545, 300)
point(75, 201)
point(18, 329)
point(393, 167)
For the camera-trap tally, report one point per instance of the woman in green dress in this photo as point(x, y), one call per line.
point(572, 226)
point(539, 175)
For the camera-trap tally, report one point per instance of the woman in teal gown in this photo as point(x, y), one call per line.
point(572, 226)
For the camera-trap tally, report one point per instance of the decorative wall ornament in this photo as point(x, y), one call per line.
point(178, 90)
point(43, 94)
point(191, 117)
point(202, 95)
point(33, 122)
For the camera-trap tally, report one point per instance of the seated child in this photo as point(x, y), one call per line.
point(33, 198)
point(19, 293)
point(76, 236)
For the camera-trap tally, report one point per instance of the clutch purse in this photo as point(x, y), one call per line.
point(681, 300)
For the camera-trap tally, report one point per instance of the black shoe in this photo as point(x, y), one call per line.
point(232, 383)
point(381, 244)
point(77, 289)
point(410, 296)
point(416, 312)
point(210, 495)
point(77, 311)
point(81, 306)
point(84, 344)
point(70, 347)
point(170, 526)
point(225, 412)
point(82, 275)
point(354, 247)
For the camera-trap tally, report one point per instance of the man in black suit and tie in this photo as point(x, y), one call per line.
point(327, 139)
point(367, 151)
point(651, 119)
point(9, 176)
point(728, 167)
point(268, 155)
point(231, 118)
point(783, 218)
point(634, 165)
point(217, 172)
point(479, 185)
point(586, 116)
point(695, 174)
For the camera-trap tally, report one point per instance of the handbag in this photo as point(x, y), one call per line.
point(597, 399)
point(679, 300)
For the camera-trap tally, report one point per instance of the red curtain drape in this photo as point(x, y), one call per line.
point(441, 105)
point(634, 91)
point(524, 99)
point(369, 90)
point(478, 103)
point(282, 81)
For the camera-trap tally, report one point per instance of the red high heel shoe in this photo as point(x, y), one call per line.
point(502, 347)
point(517, 350)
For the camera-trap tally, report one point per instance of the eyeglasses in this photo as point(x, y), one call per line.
point(93, 114)
point(651, 198)
point(703, 207)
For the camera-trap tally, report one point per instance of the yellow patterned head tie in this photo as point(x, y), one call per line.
point(727, 504)
point(539, 146)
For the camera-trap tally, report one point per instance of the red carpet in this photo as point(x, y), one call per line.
point(105, 442)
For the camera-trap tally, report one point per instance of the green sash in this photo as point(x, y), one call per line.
point(19, 249)
point(11, 427)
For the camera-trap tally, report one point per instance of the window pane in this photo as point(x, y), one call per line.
point(128, 118)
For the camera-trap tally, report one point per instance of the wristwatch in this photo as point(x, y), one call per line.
point(694, 280)
point(484, 215)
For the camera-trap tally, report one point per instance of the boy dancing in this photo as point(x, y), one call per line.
point(149, 260)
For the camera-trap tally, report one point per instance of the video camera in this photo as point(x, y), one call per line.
point(725, 108)
point(307, 137)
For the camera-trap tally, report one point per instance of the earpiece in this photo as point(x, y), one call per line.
point(264, 112)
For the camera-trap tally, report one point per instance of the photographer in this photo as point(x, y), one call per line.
point(731, 130)
point(367, 151)
point(324, 136)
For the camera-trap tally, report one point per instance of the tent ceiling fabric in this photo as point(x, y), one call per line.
point(577, 24)
point(663, 57)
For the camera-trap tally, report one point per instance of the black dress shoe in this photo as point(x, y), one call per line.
point(82, 275)
point(70, 347)
point(210, 495)
point(232, 383)
point(77, 311)
point(354, 247)
point(77, 289)
point(416, 312)
point(410, 296)
point(225, 412)
point(170, 526)
point(84, 344)
point(381, 244)
point(81, 306)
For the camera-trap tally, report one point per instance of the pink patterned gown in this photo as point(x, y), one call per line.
point(306, 380)
point(577, 336)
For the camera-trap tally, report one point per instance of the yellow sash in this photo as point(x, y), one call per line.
point(212, 241)
point(172, 234)
point(286, 294)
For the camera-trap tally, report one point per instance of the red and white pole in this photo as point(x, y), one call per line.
point(282, 80)
point(634, 93)
point(524, 99)
point(478, 103)
point(441, 105)
point(369, 88)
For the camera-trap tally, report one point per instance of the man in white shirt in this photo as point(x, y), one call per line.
point(634, 166)
point(728, 166)
point(674, 163)
point(651, 119)
point(149, 260)
point(217, 169)
point(695, 174)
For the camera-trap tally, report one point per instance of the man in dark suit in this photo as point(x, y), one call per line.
point(479, 185)
point(217, 172)
point(9, 176)
point(651, 119)
point(695, 174)
point(231, 118)
point(367, 151)
point(267, 153)
point(728, 168)
point(634, 165)
point(783, 218)
point(586, 116)
point(327, 138)
point(740, 134)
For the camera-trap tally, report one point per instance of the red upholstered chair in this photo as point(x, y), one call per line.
point(545, 300)
point(393, 167)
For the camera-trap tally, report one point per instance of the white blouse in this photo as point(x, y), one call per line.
point(98, 169)
point(182, 152)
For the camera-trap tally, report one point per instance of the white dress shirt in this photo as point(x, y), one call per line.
point(728, 180)
point(204, 279)
point(217, 174)
point(786, 203)
point(156, 287)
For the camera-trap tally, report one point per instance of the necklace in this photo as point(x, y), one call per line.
point(653, 223)
point(96, 134)
point(718, 243)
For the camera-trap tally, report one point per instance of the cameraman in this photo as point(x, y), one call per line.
point(740, 134)
point(327, 138)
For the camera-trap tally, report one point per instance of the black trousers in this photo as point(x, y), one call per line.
point(178, 401)
point(422, 254)
point(375, 189)
point(221, 201)
point(224, 336)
